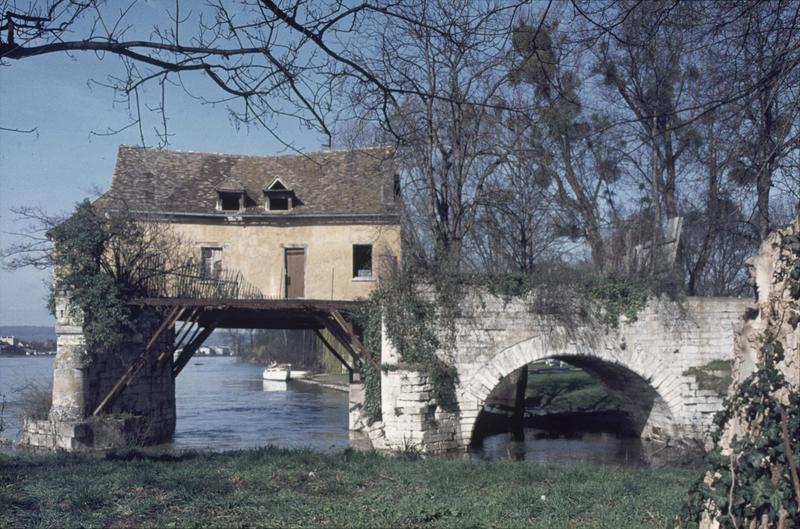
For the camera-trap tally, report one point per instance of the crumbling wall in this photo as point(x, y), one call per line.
point(760, 434)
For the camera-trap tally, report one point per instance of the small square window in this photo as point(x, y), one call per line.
point(362, 261)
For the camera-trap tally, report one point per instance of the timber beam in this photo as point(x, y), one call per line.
point(344, 332)
point(333, 351)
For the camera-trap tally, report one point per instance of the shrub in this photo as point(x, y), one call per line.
point(35, 400)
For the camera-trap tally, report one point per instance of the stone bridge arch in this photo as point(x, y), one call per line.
point(628, 373)
point(651, 363)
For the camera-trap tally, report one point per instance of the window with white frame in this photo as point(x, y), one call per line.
point(211, 262)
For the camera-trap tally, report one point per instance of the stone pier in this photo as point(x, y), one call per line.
point(142, 414)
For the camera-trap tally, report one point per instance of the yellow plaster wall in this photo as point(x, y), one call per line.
point(257, 251)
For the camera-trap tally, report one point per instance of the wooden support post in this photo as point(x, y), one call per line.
point(121, 384)
point(349, 332)
point(190, 349)
point(340, 336)
point(333, 351)
point(345, 333)
point(186, 327)
point(173, 316)
point(180, 335)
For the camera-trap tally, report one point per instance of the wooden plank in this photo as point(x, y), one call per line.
point(333, 351)
point(349, 332)
point(180, 335)
point(346, 336)
point(337, 333)
point(187, 326)
point(168, 321)
point(192, 336)
point(123, 382)
point(261, 304)
point(189, 350)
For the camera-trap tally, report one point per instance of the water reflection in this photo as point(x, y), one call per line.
point(542, 446)
point(274, 385)
point(537, 445)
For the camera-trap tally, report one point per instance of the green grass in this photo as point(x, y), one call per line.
point(280, 488)
point(567, 391)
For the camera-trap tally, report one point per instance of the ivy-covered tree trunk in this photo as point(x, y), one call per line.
point(751, 479)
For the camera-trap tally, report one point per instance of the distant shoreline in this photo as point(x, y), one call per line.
point(43, 355)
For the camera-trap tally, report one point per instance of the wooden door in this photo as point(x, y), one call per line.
point(295, 272)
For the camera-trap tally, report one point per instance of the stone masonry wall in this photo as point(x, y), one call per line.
point(644, 362)
point(144, 413)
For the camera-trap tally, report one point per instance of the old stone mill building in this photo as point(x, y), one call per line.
point(307, 237)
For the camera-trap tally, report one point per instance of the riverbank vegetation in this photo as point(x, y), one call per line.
point(272, 487)
point(561, 390)
point(299, 347)
point(566, 391)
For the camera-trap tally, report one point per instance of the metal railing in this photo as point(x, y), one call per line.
point(192, 281)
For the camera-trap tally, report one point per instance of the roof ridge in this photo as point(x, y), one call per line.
point(285, 155)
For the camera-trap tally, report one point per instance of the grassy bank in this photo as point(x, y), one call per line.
point(567, 391)
point(280, 488)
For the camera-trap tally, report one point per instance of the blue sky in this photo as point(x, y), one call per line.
point(62, 162)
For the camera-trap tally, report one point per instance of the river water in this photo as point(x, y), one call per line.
point(223, 404)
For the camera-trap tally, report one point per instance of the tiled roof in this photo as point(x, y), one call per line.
point(231, 184)
point(349, 182)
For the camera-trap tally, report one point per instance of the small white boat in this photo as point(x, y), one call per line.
point(298, 374)
point(280, 372)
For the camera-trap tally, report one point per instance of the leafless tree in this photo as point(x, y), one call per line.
point(139, 252)
point(699, 118)
point(762, 55)
point(563, 141)
point(449, 75)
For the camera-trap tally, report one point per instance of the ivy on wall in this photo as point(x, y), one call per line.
point(369, 319)
point(84, 274)
point(102, 260)
point(570, 294)
point(420, 327)
point(714, 376)
point(420, 318)
point(755, 483)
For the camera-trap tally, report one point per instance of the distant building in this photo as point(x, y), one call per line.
point(10, 340)
point(215, 350)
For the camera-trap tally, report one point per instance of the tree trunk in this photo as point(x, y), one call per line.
point(518, 416)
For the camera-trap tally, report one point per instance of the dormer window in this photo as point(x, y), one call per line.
point(230, 196)
point(230, 201)
point(277, 185)
point(278, 197)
